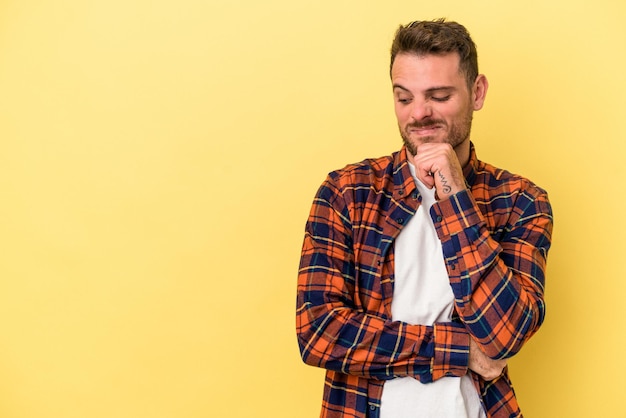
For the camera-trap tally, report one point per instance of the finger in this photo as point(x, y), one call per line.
point(425, 175)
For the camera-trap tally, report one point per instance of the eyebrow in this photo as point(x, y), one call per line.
point(398, 86)
point(429, 90)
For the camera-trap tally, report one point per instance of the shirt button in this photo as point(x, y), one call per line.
point(400, 220)
point(439, 218)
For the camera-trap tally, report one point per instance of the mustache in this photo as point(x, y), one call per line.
point(426, 123)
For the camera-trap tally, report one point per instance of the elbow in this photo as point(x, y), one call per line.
point(318, 339)
point(307, 338)
point(305, 352)
point(309, 351)
point(511, 342)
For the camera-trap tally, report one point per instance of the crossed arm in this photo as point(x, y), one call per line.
point(497, 284)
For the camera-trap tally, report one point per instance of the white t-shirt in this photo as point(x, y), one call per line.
point(422, 295)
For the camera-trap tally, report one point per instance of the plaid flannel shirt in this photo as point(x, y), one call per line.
point(495, 238)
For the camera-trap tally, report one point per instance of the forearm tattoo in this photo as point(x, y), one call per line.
point(445, 187)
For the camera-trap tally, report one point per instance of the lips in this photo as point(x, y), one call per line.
point(424, 130)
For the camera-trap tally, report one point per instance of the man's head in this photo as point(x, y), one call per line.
point(437, 37)
point(436, 84)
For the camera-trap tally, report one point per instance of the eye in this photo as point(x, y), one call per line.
point(403, 100)
point(441, 98)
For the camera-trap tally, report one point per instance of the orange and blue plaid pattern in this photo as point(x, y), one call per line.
point(495, 238)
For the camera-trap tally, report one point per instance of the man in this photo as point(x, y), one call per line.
point(423, 271)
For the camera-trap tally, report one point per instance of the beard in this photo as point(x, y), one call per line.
point(457, 132)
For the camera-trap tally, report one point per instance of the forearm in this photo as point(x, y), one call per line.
point(498, 285)
point(338, 331)
point(353, 342)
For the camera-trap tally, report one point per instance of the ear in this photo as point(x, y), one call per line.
point(479, 91)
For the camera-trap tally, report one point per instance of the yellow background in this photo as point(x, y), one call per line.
point(158, 160)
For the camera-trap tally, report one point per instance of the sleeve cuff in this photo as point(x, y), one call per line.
point(455, 214)
point(451, 355)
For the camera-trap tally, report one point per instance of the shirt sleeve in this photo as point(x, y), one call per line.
point(334, 329)
point(497, 273)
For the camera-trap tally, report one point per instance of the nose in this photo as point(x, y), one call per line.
point(421, 110)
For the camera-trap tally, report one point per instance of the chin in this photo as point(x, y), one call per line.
point(431, 139)
point(417, 141)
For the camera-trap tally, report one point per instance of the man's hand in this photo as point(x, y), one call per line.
point(437, 165)
point(484, 366)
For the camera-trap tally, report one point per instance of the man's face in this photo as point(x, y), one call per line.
point(432, 100)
